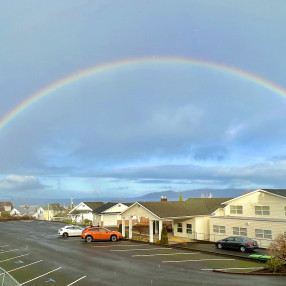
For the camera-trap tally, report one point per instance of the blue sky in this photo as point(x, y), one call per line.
point(148, 127)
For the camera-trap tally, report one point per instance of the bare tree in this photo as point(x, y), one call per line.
point(277, 247)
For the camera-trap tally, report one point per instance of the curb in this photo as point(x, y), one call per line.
point(250, 273)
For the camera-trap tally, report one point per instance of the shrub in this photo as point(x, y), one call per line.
point(164, 236)
point(274, 264)
point(277, 247)
point(120, 228)
point(87, 221)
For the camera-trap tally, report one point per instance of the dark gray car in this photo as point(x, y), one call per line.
point(237, 242)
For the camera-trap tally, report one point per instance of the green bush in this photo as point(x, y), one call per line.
point(87, 221)
point(274, 264)
point(120, 228)
point(164, 236)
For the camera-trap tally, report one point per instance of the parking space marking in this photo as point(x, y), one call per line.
point(14, 257)
point(160, 254)
point(125, 245)
point(8, 251)
point(235, 268)
point(140, 249)
point(24, 266)
point(198, 260)
point(40, 276)
point(4, 245)
point(76, 280)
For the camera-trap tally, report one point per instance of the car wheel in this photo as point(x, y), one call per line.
point(88, 239)
point(113, 238)
point(65, 234)
point(219, 246)
point(242, 249)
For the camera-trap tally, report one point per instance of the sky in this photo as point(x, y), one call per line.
point(190, 94)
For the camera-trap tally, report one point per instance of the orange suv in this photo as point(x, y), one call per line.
point(100, 233)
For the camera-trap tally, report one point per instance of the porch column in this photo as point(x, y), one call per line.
point(156, 227)
point(101, 220)
point(160, 228)
point(150, 230)
point(130, 227)
point(123, 226)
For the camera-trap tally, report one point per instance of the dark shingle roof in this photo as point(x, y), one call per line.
point(54, 207)
point(190, 207)
point(5, 204)
point(94, 205)
point(279, 192)
point(104, 208)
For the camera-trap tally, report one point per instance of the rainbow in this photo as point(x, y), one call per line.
point(130, 62)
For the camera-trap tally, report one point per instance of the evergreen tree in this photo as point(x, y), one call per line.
point(181, 198)
point(164, 236)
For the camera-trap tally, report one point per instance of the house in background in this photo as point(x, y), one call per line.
point(109, 214)
point(260, 215)
point(51, 210)
point(36, 212)
point(6, 207)
point(83, 211)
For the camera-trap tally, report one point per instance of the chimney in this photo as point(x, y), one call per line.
point(164, 199)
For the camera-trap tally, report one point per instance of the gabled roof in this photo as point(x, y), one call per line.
point(54, 207)
point(104, 207)
point(190, 207)
point(94, 205)
point(275, 192)
point(5, 204)
point(27, 210)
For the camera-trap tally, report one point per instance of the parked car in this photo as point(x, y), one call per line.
point(70, 230)
point(237, 242)
point(100, 233)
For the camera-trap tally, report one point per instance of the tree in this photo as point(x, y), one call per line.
point(181, 198)
point(164, 236)
point(140, 228)
point(277, 247)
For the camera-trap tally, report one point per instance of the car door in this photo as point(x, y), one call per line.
point(104, 234)
point(229, 242)
point(77, 230)
point(237, 242)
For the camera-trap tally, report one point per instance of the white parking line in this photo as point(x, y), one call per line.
point(139, 249)
point(40, 276)
point(197, 260)
point(8, 251)
point(76, 280)
point(24, 266)
point(14, 257)
point(4, 245)
point(241, 268)
point(126, 245)
point(160, 254)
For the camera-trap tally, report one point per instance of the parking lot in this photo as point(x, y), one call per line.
point(34, 254)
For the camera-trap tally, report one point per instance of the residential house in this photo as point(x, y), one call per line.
point(36, 212)
point(51, 210)
point(190, 218)
point(6, 207)
point(109, 214)
point(83, 211)
point(260, 214)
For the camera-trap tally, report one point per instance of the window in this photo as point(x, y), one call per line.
point(219, 229)
point(236, 209)
point(260, 233)
point(180, 227)
point(262, 210)
point(239, 231)
point(189, 228)
point(102, 230)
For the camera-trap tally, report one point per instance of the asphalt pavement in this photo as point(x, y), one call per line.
point(49, 259)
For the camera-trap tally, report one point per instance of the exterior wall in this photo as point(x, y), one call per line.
point(200, 228)
point(118, 208)
point(275, 226)
point(248, 202)
point(14, 212)
point(138, 211)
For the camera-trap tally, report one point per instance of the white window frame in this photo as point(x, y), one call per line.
point(262, 233)
point(234, 209)
point(189, 229)
point(262, 210)
point(180, 227)
point(218, 228)
point(240, 231)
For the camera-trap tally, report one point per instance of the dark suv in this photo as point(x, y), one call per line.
point(237, 242)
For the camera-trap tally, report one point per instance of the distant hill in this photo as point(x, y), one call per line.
point(154, 196)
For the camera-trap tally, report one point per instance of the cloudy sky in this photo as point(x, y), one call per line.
point(142, 125)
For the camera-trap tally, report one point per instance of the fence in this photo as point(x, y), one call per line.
point(6, 279)
point(262, 242)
